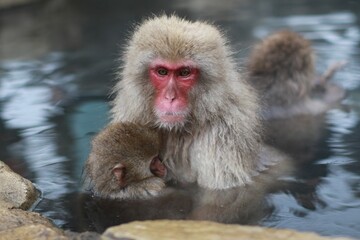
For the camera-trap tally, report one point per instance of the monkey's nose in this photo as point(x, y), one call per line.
point(170, 95)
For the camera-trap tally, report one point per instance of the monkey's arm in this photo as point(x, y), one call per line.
point(329, 73)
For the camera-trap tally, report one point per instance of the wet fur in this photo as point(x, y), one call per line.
point(132, 145)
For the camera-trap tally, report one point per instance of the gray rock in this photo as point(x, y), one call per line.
point(12, 218)
point(15, 191)
point(31, 232)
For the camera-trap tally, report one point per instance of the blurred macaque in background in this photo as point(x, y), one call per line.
point(282, 68)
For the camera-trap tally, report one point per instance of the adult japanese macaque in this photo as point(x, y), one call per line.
point(124, 163)
point(282, 68)
point(180, 77)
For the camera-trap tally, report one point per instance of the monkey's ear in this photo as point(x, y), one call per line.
point(119, 171)
point(157, 167)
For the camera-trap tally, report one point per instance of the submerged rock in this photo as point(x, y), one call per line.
point(15, 191)
point(165, 229)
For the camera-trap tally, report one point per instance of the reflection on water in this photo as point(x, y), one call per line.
point(240, 205)
point(55, 98)
point(237, 205)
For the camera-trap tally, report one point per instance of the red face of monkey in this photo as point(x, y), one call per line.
point(172, 82)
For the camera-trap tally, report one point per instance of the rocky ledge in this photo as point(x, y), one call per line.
point(15, 191)
point(18, 194)
point(196, 230)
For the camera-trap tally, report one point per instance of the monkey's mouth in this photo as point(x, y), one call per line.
point(172, 117)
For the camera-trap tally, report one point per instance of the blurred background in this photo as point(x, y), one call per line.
point(57, 65)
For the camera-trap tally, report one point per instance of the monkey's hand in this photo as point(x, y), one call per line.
point(330, 72)
point(153, 186)
point(146, 188)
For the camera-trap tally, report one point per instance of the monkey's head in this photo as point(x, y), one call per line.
point(282, 54)
point(176, 66)
point(124, 154)
point(282, 67)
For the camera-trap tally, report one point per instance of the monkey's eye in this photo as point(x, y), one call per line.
point(162, 71)
point(184, 72)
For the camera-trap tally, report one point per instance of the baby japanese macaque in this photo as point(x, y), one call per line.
point(282, 68)
point(124, 162)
